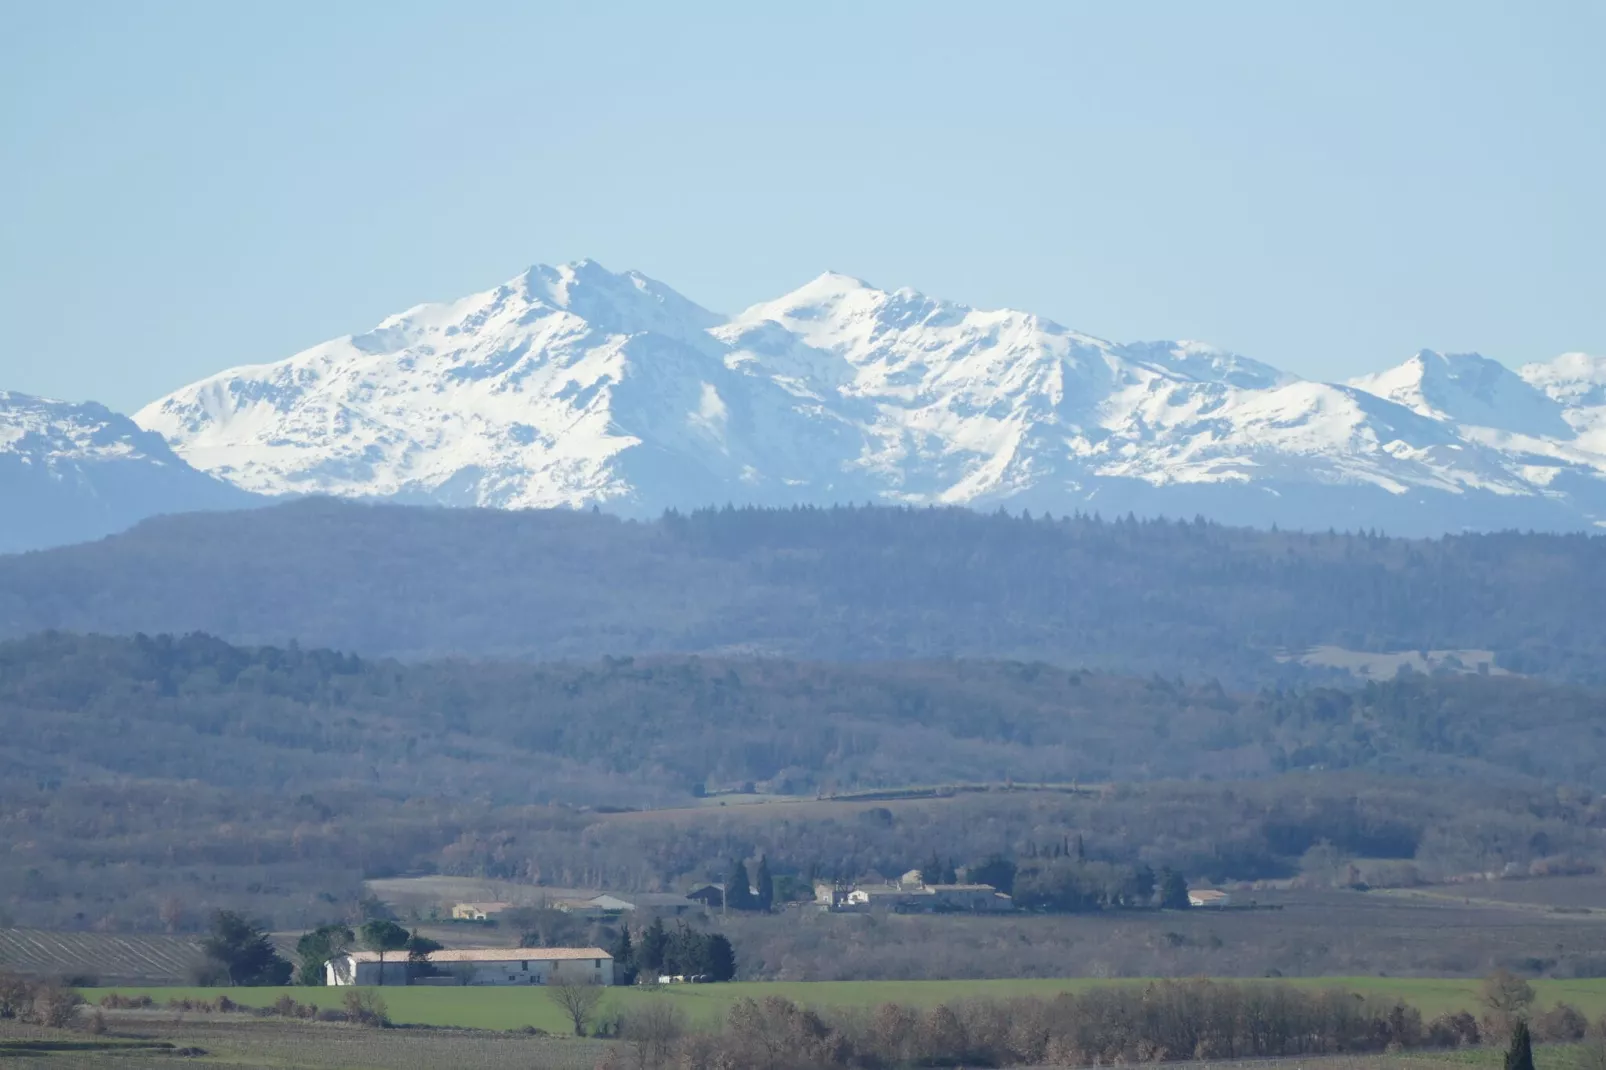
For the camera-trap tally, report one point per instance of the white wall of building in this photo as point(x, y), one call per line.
point(511, 971)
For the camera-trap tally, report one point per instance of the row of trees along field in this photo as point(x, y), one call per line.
point(1165, 1021)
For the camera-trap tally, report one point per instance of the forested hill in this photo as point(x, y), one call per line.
point(650, 730)
point(1193, 599)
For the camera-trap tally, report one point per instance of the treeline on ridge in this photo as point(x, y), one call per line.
point(1189, 598)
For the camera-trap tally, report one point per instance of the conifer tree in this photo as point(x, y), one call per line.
point(738, 892)
point(721, 958)
point(624, 958)
point(766, 886)
point(653, 947)
point(1173, 891)
point(1520, 1055)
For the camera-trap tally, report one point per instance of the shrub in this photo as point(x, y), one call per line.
point(54, 1006)
point(1561, 1024)
point(366, 1008)
point(16, 996)
point(1457, 1030)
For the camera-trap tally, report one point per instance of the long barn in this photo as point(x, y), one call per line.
point(479, 966)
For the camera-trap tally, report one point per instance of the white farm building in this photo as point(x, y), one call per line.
point(479, 966)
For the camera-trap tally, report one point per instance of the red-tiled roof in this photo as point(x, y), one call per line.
point(492, 954)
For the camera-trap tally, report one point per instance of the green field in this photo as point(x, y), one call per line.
point(512, 1008)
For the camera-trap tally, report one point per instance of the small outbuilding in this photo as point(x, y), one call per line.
point(663, 902)
point(711, 896)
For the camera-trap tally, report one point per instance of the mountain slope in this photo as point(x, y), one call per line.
point(72, 472)
point(577, 386)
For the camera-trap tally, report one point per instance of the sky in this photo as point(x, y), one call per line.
point(1327, 187)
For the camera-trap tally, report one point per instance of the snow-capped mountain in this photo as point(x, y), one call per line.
point(575, 385)
point(1576, 382)
point(71, 472)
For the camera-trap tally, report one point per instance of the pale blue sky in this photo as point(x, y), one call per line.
point(1326, 187)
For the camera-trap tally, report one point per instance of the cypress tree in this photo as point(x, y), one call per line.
point(766, 886)
point(1520, 1056)
point(738, 892)
point(1173, 891)
point(624, 958)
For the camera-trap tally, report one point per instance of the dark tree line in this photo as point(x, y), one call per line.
point(683, 951)
point(1133, 1024)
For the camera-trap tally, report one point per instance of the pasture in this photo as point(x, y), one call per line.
point(515, 1008)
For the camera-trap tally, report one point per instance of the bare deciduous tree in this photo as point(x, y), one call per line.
point(652, 1032)
point(578, 1000)
point(172, 913)
point(1506, 1000)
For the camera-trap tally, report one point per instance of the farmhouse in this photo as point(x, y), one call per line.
point(478, 911)
point(924, 899)
point(479, 966)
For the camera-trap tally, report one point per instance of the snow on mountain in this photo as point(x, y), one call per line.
point(71, 472)
point(1471, 390)
point(565, 385)
point(574, 385)
point(1577, 383)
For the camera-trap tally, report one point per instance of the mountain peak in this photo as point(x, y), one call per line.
point(574, 384)
point(625, 302)
point(1468, 389)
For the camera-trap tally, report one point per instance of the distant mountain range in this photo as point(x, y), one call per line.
point(72, 472)
point(576, 386)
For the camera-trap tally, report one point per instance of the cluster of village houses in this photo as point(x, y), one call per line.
point(910, 894)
